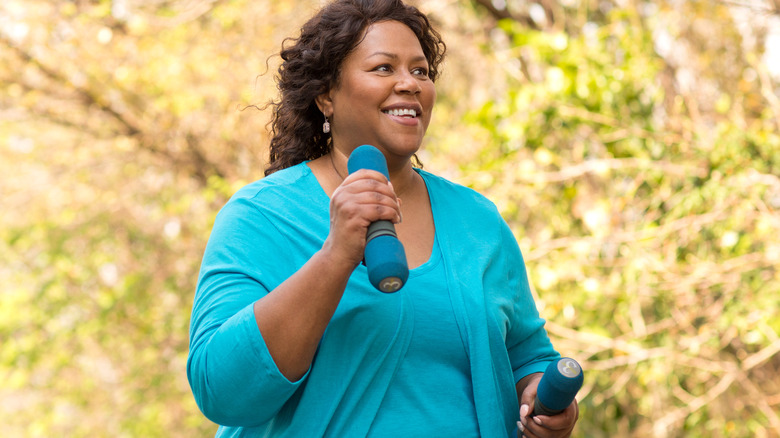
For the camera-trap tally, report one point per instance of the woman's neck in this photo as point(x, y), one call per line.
point(402, 175)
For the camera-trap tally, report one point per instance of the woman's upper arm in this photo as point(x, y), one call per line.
point(232, 375)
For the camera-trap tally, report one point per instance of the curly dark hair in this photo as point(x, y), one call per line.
point(311, 66)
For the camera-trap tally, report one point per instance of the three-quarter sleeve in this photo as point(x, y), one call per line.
point(231, 372)
point(529, 347)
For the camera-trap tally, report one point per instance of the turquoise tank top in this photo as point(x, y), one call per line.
point(432, 391)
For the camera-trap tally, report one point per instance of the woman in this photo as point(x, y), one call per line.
point(288, 337)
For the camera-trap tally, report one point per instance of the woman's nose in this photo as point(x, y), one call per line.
point(407, 83)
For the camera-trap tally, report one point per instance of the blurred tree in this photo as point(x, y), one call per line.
point(123, 133)
point(636, 152)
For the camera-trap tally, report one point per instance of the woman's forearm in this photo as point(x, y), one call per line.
point(292, 318)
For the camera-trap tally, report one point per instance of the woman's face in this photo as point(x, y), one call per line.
point(384, 96)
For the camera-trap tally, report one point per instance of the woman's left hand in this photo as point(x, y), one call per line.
point(543, 426)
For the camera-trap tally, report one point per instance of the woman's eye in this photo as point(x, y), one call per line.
point(420, 71)
point(382, 68)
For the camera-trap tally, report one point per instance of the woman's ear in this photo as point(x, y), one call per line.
point(324, 103)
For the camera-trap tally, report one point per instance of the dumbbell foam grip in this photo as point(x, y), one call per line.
point(559, 385)
point(384, 254)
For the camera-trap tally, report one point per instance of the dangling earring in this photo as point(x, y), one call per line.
point(326, 126)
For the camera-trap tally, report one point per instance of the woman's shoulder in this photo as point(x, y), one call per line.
point(282, 181)
point(282, 190)
point(449, 191)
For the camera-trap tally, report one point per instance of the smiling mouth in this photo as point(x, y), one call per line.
point(402, 113)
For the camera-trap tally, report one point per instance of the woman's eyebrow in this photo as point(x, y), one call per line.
point(394, 56)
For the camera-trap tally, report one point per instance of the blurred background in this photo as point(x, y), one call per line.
point(633, 146)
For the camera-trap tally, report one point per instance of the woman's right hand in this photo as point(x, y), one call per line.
point(294, 316)
point(363, 197)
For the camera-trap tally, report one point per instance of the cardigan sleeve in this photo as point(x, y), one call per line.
point(529, 347)
point(231, 372)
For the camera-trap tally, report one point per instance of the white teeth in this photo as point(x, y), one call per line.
point(402, 112)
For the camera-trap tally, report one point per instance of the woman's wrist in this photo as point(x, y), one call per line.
point(336, 260)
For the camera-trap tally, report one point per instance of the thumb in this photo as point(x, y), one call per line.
point(528, 397)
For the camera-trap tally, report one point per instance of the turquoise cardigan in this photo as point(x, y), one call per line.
point(268, 230)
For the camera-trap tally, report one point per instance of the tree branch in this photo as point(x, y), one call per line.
point(131, 127)
point(502, 14)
